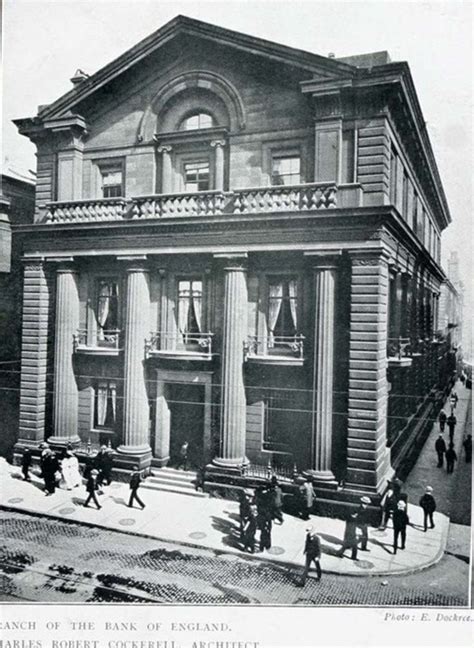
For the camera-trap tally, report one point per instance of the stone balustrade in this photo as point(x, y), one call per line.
point(264, 200)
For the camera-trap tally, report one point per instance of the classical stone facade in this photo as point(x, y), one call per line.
point(236, 244)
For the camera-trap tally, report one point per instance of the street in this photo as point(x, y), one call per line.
point(49, 560)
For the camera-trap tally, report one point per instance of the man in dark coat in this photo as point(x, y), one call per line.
point(467, 443)
point(451, 421)
point(442, 420)
point(350, 537)
point(264, 518)
point(91, 487)
point(440, 447)
point(244, 509)
point(276, 499)
point(26, 460)
point(135, 481)
point(312, 551)
point(250, 529)
point(363, 521)
point(428, 504)
point(389, 502)
point(50, 467)
point(453, 400)
point(103, 463)
point(400, 523)
point(451, 457)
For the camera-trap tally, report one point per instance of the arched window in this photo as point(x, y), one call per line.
point(197, 121)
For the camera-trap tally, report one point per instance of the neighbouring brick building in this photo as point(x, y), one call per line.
point(237, 244)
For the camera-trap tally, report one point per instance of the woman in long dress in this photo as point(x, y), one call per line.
point(71, 477)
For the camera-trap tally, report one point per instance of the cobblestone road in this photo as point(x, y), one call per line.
point(46, 560)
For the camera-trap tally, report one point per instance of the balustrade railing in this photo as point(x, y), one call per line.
point(284, 473)
point(399, 347)
point(198, 343)
point(86, 211)
point(278, 345)
point(273, 199)
point(101, 339)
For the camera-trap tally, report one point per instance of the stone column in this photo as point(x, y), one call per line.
point(325, 274)
point(166, 169)
point(233, 404)
point(135, 438)
point(218, 145)
point(65, 396)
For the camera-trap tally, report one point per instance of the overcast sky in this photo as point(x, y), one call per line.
point(45, 41)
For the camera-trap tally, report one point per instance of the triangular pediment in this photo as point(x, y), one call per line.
point(316, 66)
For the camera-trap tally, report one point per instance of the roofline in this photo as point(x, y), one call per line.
point(284, 53)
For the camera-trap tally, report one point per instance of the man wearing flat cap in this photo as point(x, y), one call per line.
point(363, 521)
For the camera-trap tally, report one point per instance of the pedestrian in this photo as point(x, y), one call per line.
point(440, 447)
point(103, 463)
point(50, 470)
point(400, 523)
point(363, 521)
point(312, 551)
point(442, 420)
point(350, 536)
point(276, 499)
point(264, 518)
point(428, 504)
point(307, 497)
point(451, 421)
point(389, 503)
point(467, 443)
point(453, 400)
point(451, 457)
point(183, 456)
point(244, 509)
point(250, 529)
point(135, 481)
point(91, 487)
point(70, 475)
point(26, 460)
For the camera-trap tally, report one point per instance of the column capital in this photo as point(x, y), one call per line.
point(218, 143)
point(324, 259)
point(64, 265)
point(135, 262)
point(164, 148)
point(233, 262)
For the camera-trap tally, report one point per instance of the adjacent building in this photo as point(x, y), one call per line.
point(236, 244)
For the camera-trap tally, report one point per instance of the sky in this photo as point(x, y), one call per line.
point(44, 42)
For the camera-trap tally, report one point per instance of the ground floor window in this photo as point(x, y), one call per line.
point(105, 405)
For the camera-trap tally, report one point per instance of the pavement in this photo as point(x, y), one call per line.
point(211, 523)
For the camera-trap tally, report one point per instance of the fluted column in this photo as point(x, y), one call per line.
point(166, 169)
point(323, 367)
point(135, 404)
point(218, 145)
point(233, 405)
point(65, 397)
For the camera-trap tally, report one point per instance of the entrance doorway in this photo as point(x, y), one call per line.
point(183, 413)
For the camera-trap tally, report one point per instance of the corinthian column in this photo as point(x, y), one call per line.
point(323, 369)
point(65, 388)
point(233, 405)
point(135, 405)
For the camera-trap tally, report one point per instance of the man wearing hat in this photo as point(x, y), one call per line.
point(440, 447)
point(363, 521)
point(400, 523)
point(91, 488)
point(103, 464)
point(312, 551)
point(428, 504)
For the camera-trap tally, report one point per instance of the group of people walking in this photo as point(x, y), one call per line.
point(258, 510)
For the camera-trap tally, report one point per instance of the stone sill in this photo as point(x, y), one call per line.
point(275, 360)
point(181, 355)
point(97, 351)
point(399, 362)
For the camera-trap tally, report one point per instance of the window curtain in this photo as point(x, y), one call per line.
point(103, 307)
point(102, 392)
point(183, 313)
point(113, 399)
point(292, 294)
point(275, 300)
point(197, 306)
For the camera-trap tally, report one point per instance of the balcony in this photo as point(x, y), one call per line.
point(86, 211)
point(179, 346)
point(275, 350)
point(103, 343)
point(259, 200)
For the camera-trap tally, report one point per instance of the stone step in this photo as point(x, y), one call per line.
point(172, 473)
point(172, 488)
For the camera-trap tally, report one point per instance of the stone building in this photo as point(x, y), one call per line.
point(237, 244)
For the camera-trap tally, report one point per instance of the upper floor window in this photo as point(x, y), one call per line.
point(107, 312)
point(111, 179)
point(196, 176)
point(286, 169)
point(282, 316)
point(189, 307)
point(197, 121)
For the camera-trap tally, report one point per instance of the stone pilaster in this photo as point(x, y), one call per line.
point(65, 387)
point(325, 276)
point(368, 458)
point(135, 436)
point(233, 404)
point(34, 354)
point(218, 146)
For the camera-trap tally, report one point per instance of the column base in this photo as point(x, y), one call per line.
point(160, 462)
point(133, 457)
point(134, 450)
point(63, 441)
point(231, 467)
point(322, 477)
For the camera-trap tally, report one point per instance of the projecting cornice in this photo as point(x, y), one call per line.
point(35, 128)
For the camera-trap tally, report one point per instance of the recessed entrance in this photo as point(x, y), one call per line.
point(183, 413)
